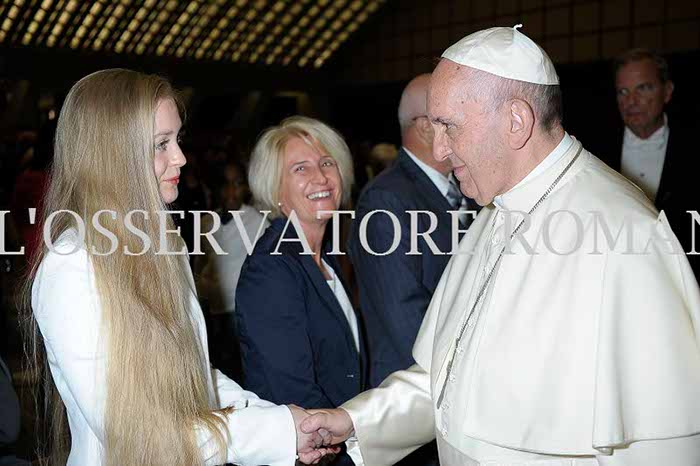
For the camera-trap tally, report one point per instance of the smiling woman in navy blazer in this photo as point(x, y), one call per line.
point(301, 340)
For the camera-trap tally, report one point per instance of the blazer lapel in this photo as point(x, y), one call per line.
point(431, 194)
point(666, 183)
point(315, 275)
point(324, 291)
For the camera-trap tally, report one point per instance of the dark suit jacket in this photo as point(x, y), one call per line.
point(679, 190)
point(296, 344)
point(396, 289)
point(9, 407)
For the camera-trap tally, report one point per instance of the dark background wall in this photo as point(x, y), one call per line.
point(358, 89)
point(581, 36)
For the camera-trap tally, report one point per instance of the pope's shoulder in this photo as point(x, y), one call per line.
point(601, 190)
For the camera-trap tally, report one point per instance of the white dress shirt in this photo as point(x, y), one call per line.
point(68, 311)
point(643, 159)
point(441, 182)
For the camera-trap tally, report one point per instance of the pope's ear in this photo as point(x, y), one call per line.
point(521, 123)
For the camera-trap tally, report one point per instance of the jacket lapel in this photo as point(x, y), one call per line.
point(324, 291)
point(315, 276)
point(432, 196)
point(665, 184)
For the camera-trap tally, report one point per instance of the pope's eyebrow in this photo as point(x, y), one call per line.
point(441, 121)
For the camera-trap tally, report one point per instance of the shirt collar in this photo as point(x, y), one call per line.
point(441, 182)
point(564, 145)
point(658, 137)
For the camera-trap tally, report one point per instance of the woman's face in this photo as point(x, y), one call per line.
point(169, 157)
point(310, 181)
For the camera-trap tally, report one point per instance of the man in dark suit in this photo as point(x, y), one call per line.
point(9, 419)
point(653, 151)
point(396, 288)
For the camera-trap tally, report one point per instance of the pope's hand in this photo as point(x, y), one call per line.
point(311, 446)
point(333, 425)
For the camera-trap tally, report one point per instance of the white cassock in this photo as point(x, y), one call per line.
point(588, 358)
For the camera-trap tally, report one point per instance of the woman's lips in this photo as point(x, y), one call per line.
point(174, 180)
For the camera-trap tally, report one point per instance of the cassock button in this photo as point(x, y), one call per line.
point(453, 377)
point(444, 432)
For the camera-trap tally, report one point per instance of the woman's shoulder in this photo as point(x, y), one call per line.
point(64, 286)
point(67, 253)
point(271, 261)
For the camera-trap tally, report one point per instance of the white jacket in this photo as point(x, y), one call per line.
point(67, 309)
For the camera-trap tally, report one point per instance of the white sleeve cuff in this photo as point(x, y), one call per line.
point(257, 435)
point(353, 446)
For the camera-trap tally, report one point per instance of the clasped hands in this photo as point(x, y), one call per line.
point(320, 431)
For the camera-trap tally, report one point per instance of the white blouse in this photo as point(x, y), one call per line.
point(341, 295)
point(67, 310)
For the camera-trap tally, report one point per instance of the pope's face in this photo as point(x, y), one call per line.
point(310, 181)
point(466, 133)
point(641, 96)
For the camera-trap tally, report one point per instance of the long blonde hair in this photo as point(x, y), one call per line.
point(157, 390)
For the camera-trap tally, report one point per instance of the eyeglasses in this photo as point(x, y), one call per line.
point(642, 90)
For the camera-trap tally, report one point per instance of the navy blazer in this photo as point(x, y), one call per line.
point(296, 343)
point(395, 289)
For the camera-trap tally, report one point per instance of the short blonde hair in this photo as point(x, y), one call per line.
point(265, 173)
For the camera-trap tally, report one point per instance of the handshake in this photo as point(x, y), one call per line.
point(319, 431)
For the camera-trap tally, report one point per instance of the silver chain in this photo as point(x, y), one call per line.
point(490, 275)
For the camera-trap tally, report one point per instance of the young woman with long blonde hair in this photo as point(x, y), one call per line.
point(124, 345)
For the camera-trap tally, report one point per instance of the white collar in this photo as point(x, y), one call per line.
point(547, 162)
point(441, 182)
point(658, 137)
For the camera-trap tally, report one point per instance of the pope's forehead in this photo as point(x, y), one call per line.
point(449, 79)
point(449, 76)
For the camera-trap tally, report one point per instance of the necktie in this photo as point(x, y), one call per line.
point(454, 196)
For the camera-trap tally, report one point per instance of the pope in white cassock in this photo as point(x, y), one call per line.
point(573, 346)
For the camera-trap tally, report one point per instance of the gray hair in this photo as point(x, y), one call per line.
point(265, 173)
point(414, 101)
point(635, 55)
point(545, 100)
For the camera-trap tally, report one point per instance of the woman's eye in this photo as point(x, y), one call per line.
point(162, 145)
point(299, 168)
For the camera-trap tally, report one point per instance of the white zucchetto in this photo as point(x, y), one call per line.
point(505, 52)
